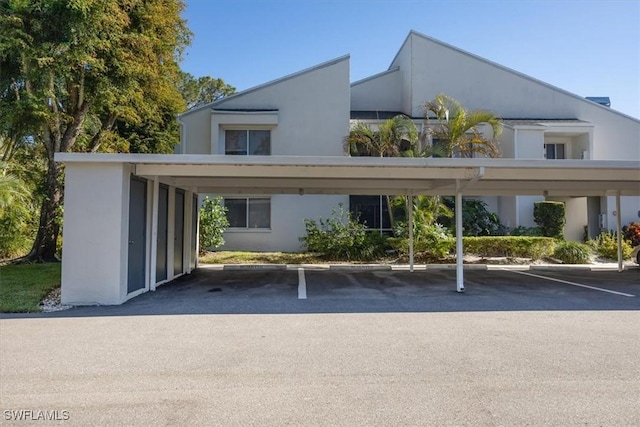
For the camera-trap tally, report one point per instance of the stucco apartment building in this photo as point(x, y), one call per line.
point(310, 112)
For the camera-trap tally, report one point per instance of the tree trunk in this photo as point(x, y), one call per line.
point(46, 243)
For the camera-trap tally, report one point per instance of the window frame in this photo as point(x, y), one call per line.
point(555, 150)
point(247, 200)
point(248, 130)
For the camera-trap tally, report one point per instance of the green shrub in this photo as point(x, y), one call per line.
point(550, 216)
point(477, 220)
point(510, 246)
point(606, 245)
point(572, 252)
point(213, 222)
point(342, 237)
point(432, 240)
point(526, 231)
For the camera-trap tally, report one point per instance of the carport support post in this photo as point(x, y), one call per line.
point(619, 231)
point(459, 252)
point(154, 234)
point(410, 209)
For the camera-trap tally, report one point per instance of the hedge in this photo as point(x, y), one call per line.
point(510, 246)
point(488, 246)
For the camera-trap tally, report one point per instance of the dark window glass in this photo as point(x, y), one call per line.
point(236, 212)
point(260, 142)
point(248, 213)
point(259, 213)
point(371, 211)
point(243, 142)
point(235, 142)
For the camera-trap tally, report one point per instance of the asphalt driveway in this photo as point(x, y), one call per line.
point(364, 348)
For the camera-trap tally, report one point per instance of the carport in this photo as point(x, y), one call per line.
point(99, 189)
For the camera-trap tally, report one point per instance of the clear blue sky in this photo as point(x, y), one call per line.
point(590, 48)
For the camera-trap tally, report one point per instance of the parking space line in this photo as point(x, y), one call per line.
point(302, 284)
point(566, 282)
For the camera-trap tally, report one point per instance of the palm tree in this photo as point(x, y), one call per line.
point(12, 189)
point(395, 137)
point(457, 129)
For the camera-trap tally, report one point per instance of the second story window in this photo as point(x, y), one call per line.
point(554, 151)
point(247, 142)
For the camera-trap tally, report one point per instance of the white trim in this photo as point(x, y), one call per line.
point(375, 76)
point(148, 234)
point(154, 233)
point(421, 162)
point(171, 230)
point(186, 246)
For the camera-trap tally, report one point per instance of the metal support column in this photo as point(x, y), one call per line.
point(619, 231)
point(154, 234)
point(459, 251)
point(410, 225)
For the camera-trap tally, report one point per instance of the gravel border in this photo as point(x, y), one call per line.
point(52, 302)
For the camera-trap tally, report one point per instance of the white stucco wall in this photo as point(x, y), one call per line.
point(403, 60)
point(382, 92)
point(507, 210)
point(507, 143)
point(576, 216)
point(313, 110)
point(95, 234)
point(287, 223)
point(478, 83)
point(309, 116)
point(630, 207)
point(196, 132)
point(529, 143)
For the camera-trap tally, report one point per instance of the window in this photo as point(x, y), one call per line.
point(372, 211)
point(248, 212)
point(554, 151)
point(247, 142)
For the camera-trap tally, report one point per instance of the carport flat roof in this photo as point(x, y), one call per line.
point(371, 175)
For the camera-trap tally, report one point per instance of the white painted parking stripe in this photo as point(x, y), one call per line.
point(571, 283)
point(302, 284)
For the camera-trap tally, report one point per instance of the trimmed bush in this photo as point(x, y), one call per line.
point(487, 246)
point(477, 220)
point(342, 237)
point(606, 245)
point(572, 253)
point(213, 222)
point(550, 217)
point(526, 231)
point(510, 246)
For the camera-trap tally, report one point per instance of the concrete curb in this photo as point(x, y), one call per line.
point(416, 267)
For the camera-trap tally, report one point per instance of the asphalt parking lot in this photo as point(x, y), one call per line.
point(278, 290)
point(337, 347)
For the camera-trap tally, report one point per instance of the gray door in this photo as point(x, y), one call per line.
point(163, 229)
point(178, 241)
point(137, 234)
point(194, 230)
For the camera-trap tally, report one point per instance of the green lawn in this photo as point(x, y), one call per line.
point(23, 286)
